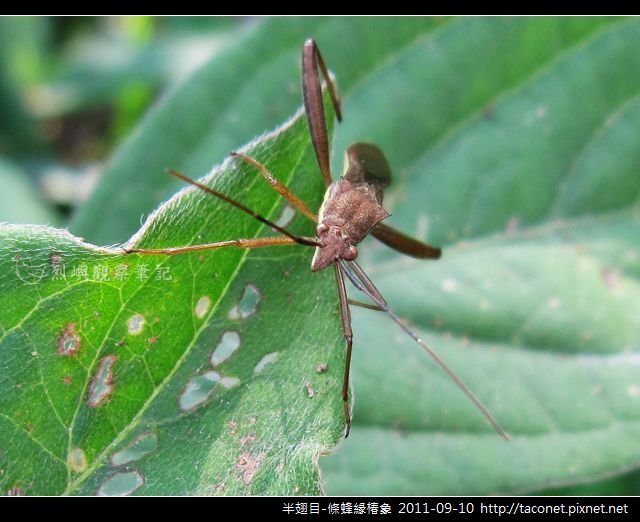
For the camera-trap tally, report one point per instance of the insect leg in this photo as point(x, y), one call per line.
point(298, 239)
point(368, 306)
point(257, 242)
point(314, 105)
point(405, 244)
point(370, 288)
point(348, 337)
point(278, 186)
point(348, 269)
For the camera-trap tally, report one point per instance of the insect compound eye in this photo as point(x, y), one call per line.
point(350, 254)
point(321, 229)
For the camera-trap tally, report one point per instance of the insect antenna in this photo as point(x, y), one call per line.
point(361, 281)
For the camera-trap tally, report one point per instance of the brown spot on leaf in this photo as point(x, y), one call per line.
point(247, 439)
point(232, 426)
point(15, 491)
point(321, 368)
point(69, 341)
point(310, 391)
point(67, 380)
point(248, 466)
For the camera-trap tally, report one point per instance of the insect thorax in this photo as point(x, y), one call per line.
point(347, 215)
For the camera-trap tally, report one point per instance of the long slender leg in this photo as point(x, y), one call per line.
point(298, 239)
point(368, 306)
point(258, 242)
point(364, 279)
point(347, 267)
point(278, 186)
point(314, 106)
point(405, 244)
point(348, 337)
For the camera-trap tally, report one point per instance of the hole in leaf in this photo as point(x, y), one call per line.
point(102, 384)
point(247, 305)
point(145, 443)
point(121, 484)
point(229, 343)
point(265, 361)
point(286, 216)
point(198, 390)
point(229, 382)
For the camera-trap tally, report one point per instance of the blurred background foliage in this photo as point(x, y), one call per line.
point(72, 90)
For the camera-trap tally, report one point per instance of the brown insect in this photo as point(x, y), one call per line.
point(352, 209)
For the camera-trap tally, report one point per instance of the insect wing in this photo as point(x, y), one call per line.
point(366, 167)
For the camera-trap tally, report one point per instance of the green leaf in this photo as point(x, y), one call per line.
point(515, 144)
point(628, 484)
point(192, 374)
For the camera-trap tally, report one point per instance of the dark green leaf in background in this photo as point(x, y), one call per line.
point(529, 172)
